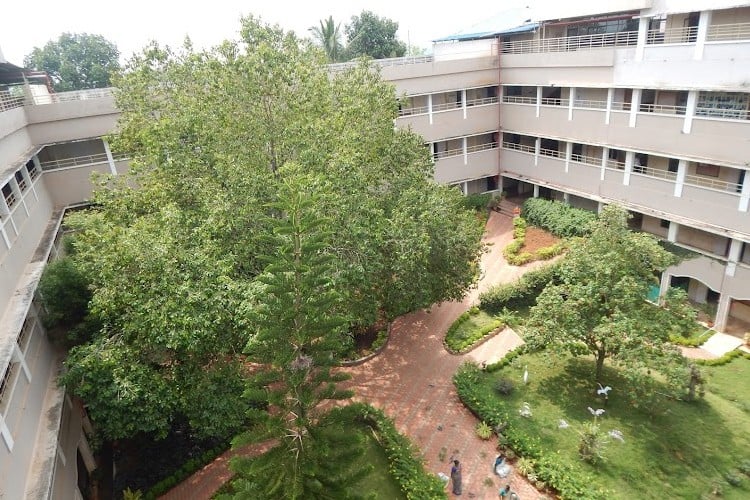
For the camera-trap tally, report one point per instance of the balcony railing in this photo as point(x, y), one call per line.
point(588, 160)
point(654, 172)
point(571, 43)
point(615, 164)
point(10, 199)
point(590, 104)
point(517, 99)
point(550, 152)
point(448, 106)
point(75, 95)
point(662, 109)
point(79, 161)
point(686, 34)
point(394, 61)
point(476, 148)
point(710, 182)
point(728, 114)
point(524, 148)
point(728, 32)
point(8, 101)
point(470, 149)
point(481, 101)
point(554, 101)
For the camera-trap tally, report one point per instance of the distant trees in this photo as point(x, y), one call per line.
point(76, 61)
point(367, 35)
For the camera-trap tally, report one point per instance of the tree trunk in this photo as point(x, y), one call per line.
point(600, 354)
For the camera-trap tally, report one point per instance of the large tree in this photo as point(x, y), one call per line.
point(173, 248)
point(76, 61)
point(599, 305)
point(370, 35)
point(328, 36)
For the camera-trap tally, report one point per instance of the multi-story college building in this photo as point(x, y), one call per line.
point(646, 105)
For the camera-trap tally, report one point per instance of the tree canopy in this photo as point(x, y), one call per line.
point(328, 36)
point(76, 61)
point(599, 305)
point(174, 249)
point(370, 35)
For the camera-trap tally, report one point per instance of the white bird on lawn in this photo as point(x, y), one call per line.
point(603, 390)
point(526, 374)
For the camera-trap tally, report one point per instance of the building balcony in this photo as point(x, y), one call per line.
point(451, 119)
point(474, 162)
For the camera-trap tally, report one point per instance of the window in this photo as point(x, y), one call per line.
point(31, 169)
point(674, 164)
point(640, 162)
point(21, 181)
point(707, 170)
point(6, 383)
point(10, 197)
point(664, 223)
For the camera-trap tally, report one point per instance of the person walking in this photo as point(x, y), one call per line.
point(456, 477)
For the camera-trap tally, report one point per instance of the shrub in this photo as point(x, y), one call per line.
point(484, 431)
point(477, 201)
point(520, 293)
point(456, 344)
point(744, 467)
point(504, 387)
point(733, 479)
point(558, 218)
point(65, 294)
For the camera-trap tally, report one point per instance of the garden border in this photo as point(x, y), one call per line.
point(364, 359)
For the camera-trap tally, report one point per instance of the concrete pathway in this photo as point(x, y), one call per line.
point(716, 346)
point(411, 380)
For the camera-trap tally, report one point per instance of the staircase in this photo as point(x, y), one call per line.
point(506, 207)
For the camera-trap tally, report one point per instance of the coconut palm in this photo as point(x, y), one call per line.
point(329, 37)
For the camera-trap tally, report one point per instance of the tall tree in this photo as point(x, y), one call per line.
point(297, 334)
point(370, 35)
point(76, 61)
point(175, 263)
point(328, 36)
point(600, 308)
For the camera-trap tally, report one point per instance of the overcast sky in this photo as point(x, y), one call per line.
point(131, 24)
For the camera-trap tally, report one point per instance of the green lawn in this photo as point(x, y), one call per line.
point(469, 328)
point(676, 455)
point(379, 481)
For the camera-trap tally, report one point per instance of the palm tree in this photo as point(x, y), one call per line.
point(329, 37)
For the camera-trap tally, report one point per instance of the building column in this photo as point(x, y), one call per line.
point(536, 191)
point(465, 147)
point(599, 207)
point(629, 160)
point(722, 312)
point(568, 154)
point(111, 160)
point(571, 101)
point(640, 46)
point(18, 357)
point(674, 229)
point(692, 100)
point(463, 101)
point(745, 193)
point(697, 292)
point(735, 250)
point(635, 105)
point(610, 98)
point(605, 157)
point(680, 179)
point(537, 149)
point(664, 284)
point(429, 107)
point(566, 198)
point(700, 40)
point(6, 434)
point(5, 212)
point(29, 182)
point(538, 99)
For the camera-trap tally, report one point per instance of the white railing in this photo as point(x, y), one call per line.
point(588, 160)
point(417, 110)
point(481, 101)
point(728, 32)
point(476, 148)
point(571, 43)
point(687, 34)
point(620, 106)
point(448, 153)
point(517, 99)
point(78, 161)
point(75, 95)
point(590, 104)
point(615, 164)
point(554, 101)
point(8, 101)
point(729, 114)
point(662, 109)
point(422, 110)
point(394, 61)
point(710, 182)
point(654, 172)
point(445, 106)
point(524, 148)
point(550, 152)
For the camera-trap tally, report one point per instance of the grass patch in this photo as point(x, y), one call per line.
point(683, 453)
point(471, 327)
point(379, 480)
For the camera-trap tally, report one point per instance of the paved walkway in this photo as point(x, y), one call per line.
point(411, 381)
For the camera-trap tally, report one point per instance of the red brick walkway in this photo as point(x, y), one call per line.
point(411, 381)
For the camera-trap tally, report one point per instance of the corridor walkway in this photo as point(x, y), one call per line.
point(411, 381)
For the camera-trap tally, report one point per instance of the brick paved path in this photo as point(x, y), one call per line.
point(411, 381)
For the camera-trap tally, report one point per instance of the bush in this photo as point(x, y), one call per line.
point(455, 343)
point(477, 201)
point(484, 431)
point(520, 293)
point(64, 293)
point(504, 387)
point(744, 467)
point(733, 479)
point(558, 218)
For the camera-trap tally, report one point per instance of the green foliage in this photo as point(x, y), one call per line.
point(76, 61)
point(558, 218)
point(592, 444)
point(380, 340)
point(484, 431)
point(506, 360)
point(733, 479)
point(328, 36)
point(477, 201)
point(185, 471)
point(521, 293)
point(370, 35)
point(129, 494)
point(504, 386)
point(469, 328)
point(64, 290)
point(744, 466)
point(722, 360)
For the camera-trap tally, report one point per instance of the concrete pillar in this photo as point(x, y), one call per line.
point(29, 182)
point(13, 183)
point(538, 99)
point(697, 291)
point(599, 207)
point(566, 198)
point(673, 231)
point(465, 187)
point(629, 160)
point(6, 434)
point(664, 284)
point(642, 33)
point(429, 107)
point(537, 149)
point(464, 145)
point(722, 312)
point(463, 101)
point(700, 40)
point(111, 160)
point(745, 193)
point(610, 98)
point(680, 180)
point(571, 101)
point(605, 157)
point(735, 249)
point(19, 358)
point(568, 155)
point(692, 100)
point(536, 191)
point(635, 105)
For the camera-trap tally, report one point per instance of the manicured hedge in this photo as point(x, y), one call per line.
point(520, 293)
point(477, 201)
point(558, 218)
point(723, 359)
point(512, 251)
point(456, 345)
point(568, 480)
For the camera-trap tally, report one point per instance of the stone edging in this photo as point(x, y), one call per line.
point(356, 362)
point(476, 344)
